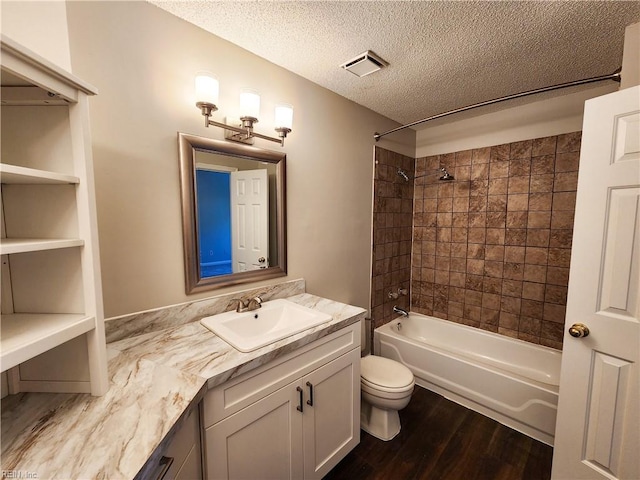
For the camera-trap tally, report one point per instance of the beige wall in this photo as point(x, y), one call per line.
point(143, 61)
point(39, 26)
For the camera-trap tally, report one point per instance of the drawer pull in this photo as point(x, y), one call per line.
point(166, 463)
point(310, 401)
point(300, 407)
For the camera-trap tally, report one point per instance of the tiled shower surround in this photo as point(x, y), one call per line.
point(491, 249)
point(392, 232)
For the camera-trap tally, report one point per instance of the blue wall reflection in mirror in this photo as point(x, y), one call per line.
point(214, 222)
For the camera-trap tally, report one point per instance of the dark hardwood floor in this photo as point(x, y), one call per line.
point(441, 440)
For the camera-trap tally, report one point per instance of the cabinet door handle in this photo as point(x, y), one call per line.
point(166, 463)
point(300, 408)
point(310, 401)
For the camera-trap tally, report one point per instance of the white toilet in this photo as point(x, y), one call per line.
point(386, 387)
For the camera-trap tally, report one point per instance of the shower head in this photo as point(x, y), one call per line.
point(446, 176)
point(403, 174)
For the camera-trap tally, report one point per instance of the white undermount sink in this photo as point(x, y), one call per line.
point(273, 321)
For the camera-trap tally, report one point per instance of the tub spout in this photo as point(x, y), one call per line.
point(401, 311)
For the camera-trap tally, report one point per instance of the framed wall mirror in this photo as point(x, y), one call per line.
point(233, 213)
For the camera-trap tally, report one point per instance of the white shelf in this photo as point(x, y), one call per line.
point(25, 335)
point(23, 245)
point(13, 174)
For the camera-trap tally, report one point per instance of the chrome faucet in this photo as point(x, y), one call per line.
point(397, 309)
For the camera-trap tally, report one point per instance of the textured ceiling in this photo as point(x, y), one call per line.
point(443, 54)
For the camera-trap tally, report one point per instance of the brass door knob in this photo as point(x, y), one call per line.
point(578, 330)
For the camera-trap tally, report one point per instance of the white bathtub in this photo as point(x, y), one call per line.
point(511, 381)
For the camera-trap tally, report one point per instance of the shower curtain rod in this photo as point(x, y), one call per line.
point(615, 76)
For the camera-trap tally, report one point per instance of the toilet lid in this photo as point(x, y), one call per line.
point(385, 372)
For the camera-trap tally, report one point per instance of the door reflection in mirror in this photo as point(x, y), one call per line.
point(249, 220)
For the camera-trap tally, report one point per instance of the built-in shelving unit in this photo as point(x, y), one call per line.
point(52, 320)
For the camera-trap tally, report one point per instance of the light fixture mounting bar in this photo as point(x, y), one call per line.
point(244, 131)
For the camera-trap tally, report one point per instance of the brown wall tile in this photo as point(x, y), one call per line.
point(512, 288)
point(569, 142)
point(514, 254)
point(498, 186)
point(493, 268)
point(515, 236)
point(564, 201)
point(480, 155)
point(518, 184)
point(541, 183)
point(543, 146)
point(494, 252)
point(567, 162)
point(513, 271)
point(495, 236)
point(521, 150)
point(492, 285)
point(500, 152)
point(538, 237)
point(562, 219)
point(543, 165)
point(532, 308)
point(533, 291)
point(565, 182)
point(540, 201)
point(517, 219)
point(539, 220)
point(498, 169)
point(558, 276)
point(561, 238)
point(517, 202)
point(520, 167)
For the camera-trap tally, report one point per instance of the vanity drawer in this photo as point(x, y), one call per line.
point(238, 393)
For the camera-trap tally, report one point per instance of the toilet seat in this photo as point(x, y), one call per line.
point(385, 375)
point(388, 392)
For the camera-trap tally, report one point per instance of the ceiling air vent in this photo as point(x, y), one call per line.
point(364, 64)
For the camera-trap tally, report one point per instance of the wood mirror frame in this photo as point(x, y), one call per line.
point(189, 145)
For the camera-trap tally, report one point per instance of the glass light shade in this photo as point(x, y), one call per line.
point(249, 104)
point(284, 116)
point(207, 88)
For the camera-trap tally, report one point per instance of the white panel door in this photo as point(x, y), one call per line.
point(598, 427)
point(249, 220)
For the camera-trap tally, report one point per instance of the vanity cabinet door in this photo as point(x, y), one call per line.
point(331, 414)
point(261, 441)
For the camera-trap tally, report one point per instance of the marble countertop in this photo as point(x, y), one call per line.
point(155, 379)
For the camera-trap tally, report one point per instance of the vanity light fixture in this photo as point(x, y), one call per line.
point(207, 92)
